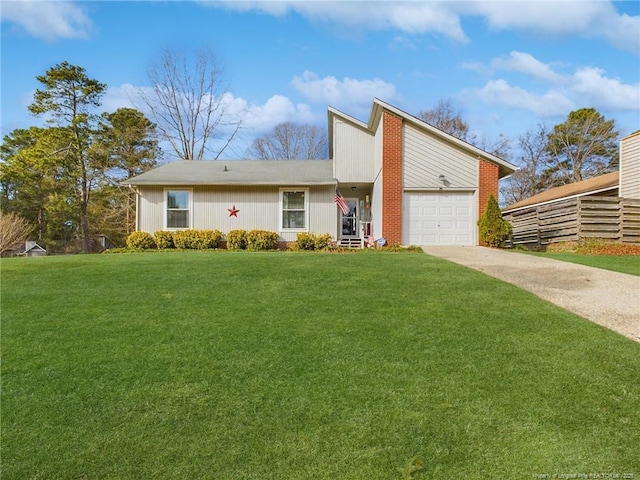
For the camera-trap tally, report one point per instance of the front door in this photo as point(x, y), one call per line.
point(350, 220)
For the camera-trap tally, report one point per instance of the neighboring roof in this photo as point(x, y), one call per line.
point(505, 167)
point(599, 184)
point(239, 172)
point(34, 248)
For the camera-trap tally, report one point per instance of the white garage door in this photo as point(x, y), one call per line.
point(439, 218)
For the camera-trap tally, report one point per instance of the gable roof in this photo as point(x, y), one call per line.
point(238, 172)
point(505, 168)
point(599, 184)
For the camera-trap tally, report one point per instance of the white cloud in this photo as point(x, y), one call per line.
point(526, 63)
point(348, 94)
point(591, 19)
point(255, 118)
point(414, 17)
point(594, 88)
point(585, 87)
point(123, 96)
point(499, 92)
point(47, 20)
point(276, 110)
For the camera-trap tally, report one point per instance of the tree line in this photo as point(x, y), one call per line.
point(64, 180)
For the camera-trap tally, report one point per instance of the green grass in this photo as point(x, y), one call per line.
point(618, 263)
point(215, 365)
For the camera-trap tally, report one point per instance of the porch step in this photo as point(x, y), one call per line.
point(350, 243)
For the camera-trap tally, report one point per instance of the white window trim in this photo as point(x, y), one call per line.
point(306, 209)
point(164, 208)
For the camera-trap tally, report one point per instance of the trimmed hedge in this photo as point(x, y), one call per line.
point(197, 239)
point(164, 239)
point(261, 240)
point(140, 240)
point(237, 240)
point(312, 241)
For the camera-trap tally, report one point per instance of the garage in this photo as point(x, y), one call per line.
point(439, 218)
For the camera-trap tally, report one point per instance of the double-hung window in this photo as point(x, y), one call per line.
point(178, 211)
point(294, 211)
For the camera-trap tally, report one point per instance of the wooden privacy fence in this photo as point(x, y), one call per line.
point(611, 218)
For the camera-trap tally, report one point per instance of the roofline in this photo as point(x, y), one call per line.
point(376, 114)
point(223, 184)
point(575, 195)
point(637, 132)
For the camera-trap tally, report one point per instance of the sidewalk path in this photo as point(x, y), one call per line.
point(607, 298)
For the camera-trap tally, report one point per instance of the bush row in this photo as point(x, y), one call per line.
point(203, 239)
point(253, 240)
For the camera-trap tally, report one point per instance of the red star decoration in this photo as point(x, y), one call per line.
point(233, 211)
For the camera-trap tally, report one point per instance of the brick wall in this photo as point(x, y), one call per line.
point(392, 178)
point(488, 184)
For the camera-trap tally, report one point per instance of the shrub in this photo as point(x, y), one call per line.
point(311, 241)
point(494, 230)
point(196, 239)
point(237, 240)
point(164, 240)
point(261, 240)
point(140, 241)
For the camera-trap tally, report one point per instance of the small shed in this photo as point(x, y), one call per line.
point(32, 249)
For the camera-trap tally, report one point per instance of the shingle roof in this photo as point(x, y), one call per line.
point(608, 181)
point(239, 172)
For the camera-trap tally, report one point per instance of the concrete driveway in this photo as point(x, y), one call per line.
point(607, 298)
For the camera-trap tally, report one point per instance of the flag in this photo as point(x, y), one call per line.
point(342, 205)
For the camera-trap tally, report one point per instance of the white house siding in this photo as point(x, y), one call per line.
point(150, 209)
point(630, 166)
point(258, 209)
point(426, 158)
point(353, 153)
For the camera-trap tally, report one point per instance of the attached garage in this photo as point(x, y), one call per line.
point(439, 218)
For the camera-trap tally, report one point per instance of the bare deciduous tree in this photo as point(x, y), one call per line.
point(190, 104)
point(447, 118)
point(530, 177)
point(13, 230)
point(291, 141)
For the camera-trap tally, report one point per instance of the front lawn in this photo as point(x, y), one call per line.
point(220, 365)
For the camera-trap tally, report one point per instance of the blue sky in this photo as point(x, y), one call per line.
point(505, 65)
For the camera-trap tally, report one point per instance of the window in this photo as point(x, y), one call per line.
point(294, 209)
point(178, 209)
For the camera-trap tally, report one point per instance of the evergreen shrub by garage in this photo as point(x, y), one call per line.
point(164, 239)
point(197, 239)
point(237, 240)
point(494, 230)
point(262, 240)
point(140, 241)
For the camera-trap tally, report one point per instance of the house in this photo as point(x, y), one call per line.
point(402, 180)
point(606, 185)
